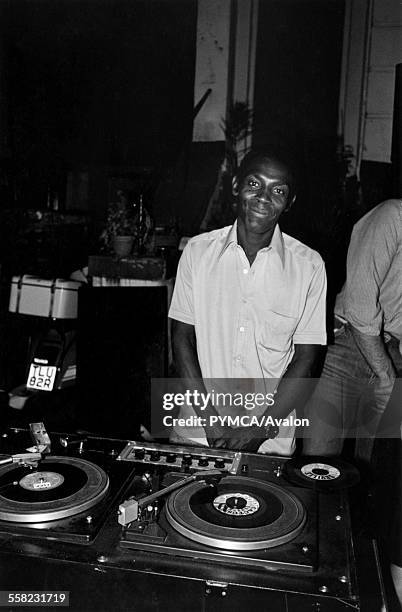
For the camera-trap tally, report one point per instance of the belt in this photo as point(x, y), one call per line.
point(340, 323)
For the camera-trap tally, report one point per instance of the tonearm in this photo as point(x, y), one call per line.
point(130, 510)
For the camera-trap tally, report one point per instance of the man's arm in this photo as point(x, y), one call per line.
point(295, 387)
point(184, 345)
point(372, 248)
point(375, 353)
point(187, 367)
point(293, 391)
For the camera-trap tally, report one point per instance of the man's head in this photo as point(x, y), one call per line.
point(264, 187)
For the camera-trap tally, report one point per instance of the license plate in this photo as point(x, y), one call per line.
point(41, 377)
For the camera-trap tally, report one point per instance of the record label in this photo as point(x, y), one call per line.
point(40, 481)
point(236, 504)
point(320, 471)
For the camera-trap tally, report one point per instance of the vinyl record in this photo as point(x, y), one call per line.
point(321, 473)
point(57, 488)
point(238, 514)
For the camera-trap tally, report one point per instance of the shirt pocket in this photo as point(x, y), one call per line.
point(278, 330)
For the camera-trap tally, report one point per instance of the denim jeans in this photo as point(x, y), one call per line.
point(342, 404)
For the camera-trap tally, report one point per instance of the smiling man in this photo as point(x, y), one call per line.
point(249, 303)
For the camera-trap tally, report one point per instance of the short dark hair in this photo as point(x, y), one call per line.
point(281, 156)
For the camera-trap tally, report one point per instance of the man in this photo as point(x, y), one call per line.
point(360, 387)
point(249, 303)
point(366, 355)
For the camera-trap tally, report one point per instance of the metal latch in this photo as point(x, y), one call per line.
point(213, 587)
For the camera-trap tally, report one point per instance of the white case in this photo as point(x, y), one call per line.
point(39, 297)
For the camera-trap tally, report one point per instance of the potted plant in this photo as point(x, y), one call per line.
point(121, 228)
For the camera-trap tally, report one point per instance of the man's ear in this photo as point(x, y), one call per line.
point(235, 186)
point(289, 206)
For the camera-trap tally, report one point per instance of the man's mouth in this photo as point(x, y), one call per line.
point(261, 211)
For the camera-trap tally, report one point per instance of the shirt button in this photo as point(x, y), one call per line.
point(238, 358)
point(241, 329)
point(245, 271)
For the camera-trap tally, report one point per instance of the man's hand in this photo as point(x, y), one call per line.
point(383, 386)
point(241, 438)
point(244, 438)
point(217, 436)
point(375, 353)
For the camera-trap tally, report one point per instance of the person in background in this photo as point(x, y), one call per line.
point(360, 386)
point(249, 303)
point(365, 358)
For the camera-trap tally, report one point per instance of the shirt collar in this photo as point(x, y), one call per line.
point(277, 242)
point(231, 238)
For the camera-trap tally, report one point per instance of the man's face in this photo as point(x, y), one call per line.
point(263, 193)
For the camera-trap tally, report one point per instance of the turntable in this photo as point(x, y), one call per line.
point(56, 488)
point(64, 496)
point(240, 511)
point(128, 525)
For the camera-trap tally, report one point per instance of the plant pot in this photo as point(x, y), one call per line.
point(122, 245)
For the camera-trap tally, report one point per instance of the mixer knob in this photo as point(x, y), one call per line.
point(155, 455)
point(139, 453)
point(187, 459)
point(171, 458)
point(219, 463)
point(203, 462)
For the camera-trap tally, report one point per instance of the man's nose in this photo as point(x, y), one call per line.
point(264, 193)
point(264, 196)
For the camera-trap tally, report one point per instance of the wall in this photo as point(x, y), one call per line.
point(212, 67)
point(225, 62)
point(385, 53)
point(371, 49)
point(297, 78)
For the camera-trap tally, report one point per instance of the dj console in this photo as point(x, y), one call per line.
point(143, 526)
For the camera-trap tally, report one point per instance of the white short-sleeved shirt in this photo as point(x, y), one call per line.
point(247, 319)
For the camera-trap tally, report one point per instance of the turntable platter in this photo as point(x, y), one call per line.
point(237, 514)
point(60, 487)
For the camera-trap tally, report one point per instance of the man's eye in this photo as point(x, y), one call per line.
point(280, 191)
point(253, 183)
